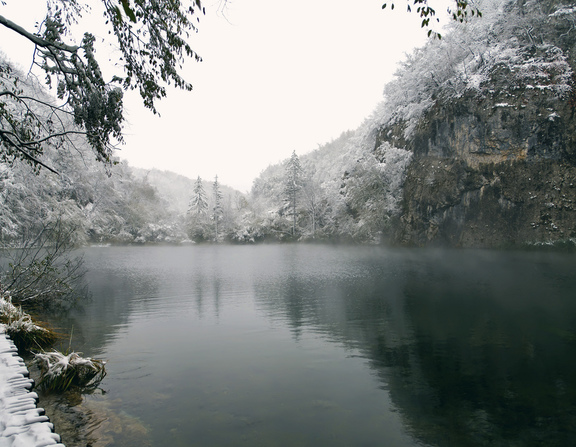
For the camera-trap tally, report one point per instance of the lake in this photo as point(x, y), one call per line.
point(313, 345)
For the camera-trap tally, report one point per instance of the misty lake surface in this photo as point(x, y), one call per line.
point(312, 345)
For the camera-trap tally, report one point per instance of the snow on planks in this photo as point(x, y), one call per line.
point(22, 424)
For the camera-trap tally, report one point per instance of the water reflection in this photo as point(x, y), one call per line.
point(493, 348)
point(475, 348)
point(311, 345)
point(93, 420)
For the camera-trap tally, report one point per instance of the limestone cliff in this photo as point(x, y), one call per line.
point(493, 137)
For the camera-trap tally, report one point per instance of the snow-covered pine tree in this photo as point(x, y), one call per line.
point(293, 186)
point(217, 210)
point(198, 203)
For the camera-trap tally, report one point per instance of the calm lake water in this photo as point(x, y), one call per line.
point(302, 345)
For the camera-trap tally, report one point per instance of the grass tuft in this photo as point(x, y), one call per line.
point(58, 371)
point(61, 371)
point(24, 332)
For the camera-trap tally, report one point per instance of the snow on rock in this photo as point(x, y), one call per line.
point(22, 424)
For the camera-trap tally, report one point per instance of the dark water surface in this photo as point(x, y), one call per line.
point(299, 345)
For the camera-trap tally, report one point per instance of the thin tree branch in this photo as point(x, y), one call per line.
point(42, 140)
point(39, 101)
point(36, 39)
point(4, 137)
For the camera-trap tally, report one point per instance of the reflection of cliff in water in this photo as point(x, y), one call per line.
point(475, 348)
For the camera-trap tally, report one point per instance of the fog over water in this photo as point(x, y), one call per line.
point(326, 345)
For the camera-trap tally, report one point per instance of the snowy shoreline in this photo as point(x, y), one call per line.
point(22, 423)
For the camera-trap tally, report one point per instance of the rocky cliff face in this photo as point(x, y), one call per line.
point(449, 202)
point(495, 165)
point(490, 173)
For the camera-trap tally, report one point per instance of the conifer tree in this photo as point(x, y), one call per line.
point(198, 203)
point(217, 210)
point(293, 186)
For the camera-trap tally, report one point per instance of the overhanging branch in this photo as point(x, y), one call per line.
point(36, 39)
point(36, 100)
point(4, 137)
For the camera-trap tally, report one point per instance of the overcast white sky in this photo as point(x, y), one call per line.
point(277, 76)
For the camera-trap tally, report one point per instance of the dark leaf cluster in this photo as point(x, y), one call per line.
point(463, 9)
point(153, 42)
point(152, 37)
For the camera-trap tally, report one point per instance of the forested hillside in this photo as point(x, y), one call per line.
point(123, 205)
point(473, 144)
point(97, 208)
point(488, 114)
point(74, 192)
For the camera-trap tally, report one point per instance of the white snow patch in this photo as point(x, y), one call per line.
point(563, 12)
point(22, 424)
point(18, 320)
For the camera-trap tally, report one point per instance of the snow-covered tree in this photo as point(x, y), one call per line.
point(523, 44)
point(373, 190)
point(151, 39)
point(217, 210)
point(293, 187)
point(197, 219)
point(198, 202)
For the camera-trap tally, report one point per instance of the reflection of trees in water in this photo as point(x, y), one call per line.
point(472, 349)
point(141, 282)
point(203, 288)
point(114, 296)
point(198, 286)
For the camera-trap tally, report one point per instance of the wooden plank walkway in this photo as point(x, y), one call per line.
point(22, 423)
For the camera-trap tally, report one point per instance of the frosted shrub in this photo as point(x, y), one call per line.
point(60, 371)
point(547, 70)
point(394, 164)
point(7, 309)
point(21, 329)
point(373, 190)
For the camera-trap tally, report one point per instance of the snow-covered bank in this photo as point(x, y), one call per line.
point(22, 424)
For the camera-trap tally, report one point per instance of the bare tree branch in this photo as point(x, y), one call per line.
point(4, 137)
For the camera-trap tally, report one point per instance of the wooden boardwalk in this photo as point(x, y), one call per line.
point(22, 423)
